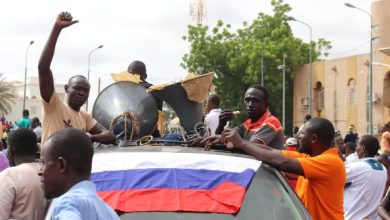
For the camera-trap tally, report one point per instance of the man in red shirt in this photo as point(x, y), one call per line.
point(261, 127)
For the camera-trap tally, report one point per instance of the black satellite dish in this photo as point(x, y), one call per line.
point(126, 97)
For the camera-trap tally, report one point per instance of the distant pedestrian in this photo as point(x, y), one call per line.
point(36, 127)
point(350, 153)
point(295, 132)
point(351, 136)
point(385, 139)
point(291, 144)
point(339, 143)
point(24, 122)
point(212, 111)
point(4, 163)
point(305, 119)
point(366, 180)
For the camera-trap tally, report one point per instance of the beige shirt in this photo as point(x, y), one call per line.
point(57, 115)
point(21, 193)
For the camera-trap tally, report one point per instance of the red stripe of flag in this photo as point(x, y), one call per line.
point(226, 198)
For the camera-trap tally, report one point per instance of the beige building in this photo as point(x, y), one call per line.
point(340, 86)
point(33, 98)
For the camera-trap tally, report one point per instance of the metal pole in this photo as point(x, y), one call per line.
point(370, 121)
point(310, 73)
point(283, 67)
point(99, 82)
point(284, 92)
point(262, 70)
point(370, 128)
point(290, 18)
point(25, 76)
point(89, 64)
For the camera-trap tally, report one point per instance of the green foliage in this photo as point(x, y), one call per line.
point(6, 95)
point(235, 57)
point(323, 46)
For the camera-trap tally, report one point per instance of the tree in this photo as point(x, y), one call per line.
point(235, 57)
point(323, 46)
point(6, 95)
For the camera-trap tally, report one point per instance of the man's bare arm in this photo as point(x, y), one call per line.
point(46, 82)
point(382, 209)
point(225, 116)
point(101, 134)
point(262, 152)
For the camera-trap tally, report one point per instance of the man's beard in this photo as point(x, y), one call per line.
point(304, 150)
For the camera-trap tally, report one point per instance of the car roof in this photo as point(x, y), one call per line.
point(197, 150)
point(172, 149)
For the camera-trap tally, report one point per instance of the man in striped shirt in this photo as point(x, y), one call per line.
point(261, 127)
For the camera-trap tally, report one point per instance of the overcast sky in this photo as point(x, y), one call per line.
point(151, 31)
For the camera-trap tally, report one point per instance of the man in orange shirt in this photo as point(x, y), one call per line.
point(321, 171)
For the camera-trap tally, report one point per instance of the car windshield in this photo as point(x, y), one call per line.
point(268, 197)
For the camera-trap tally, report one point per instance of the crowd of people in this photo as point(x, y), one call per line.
point(335, 177)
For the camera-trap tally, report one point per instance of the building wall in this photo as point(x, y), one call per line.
point(380, 11)
point(336, 75)
point(337, 95)
point(33, 99)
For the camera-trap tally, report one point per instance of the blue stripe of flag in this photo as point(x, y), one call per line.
point(168, 178)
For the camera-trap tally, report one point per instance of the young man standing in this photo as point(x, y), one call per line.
point(24, 122)
point(212, 111)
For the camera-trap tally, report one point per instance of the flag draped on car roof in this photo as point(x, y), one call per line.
point(163, 181)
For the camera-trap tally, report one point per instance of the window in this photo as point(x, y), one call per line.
point(351, 90)
point(386, 90)
point(319, 96)
point(304, 103)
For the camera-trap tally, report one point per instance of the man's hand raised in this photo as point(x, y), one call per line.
point(225, 116)
point(65, 19)
point(46, 81)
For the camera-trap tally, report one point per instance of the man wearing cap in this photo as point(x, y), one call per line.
point(350, 136)
point(291, 144)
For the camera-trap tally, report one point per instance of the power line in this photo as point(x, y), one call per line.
point(350, 50)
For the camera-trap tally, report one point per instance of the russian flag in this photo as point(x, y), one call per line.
point(164, 181)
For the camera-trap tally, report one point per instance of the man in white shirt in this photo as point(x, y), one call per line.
point(212, 111)
point(366, 180)
point(36, 128)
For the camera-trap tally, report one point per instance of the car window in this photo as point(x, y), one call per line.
point(268, 197)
